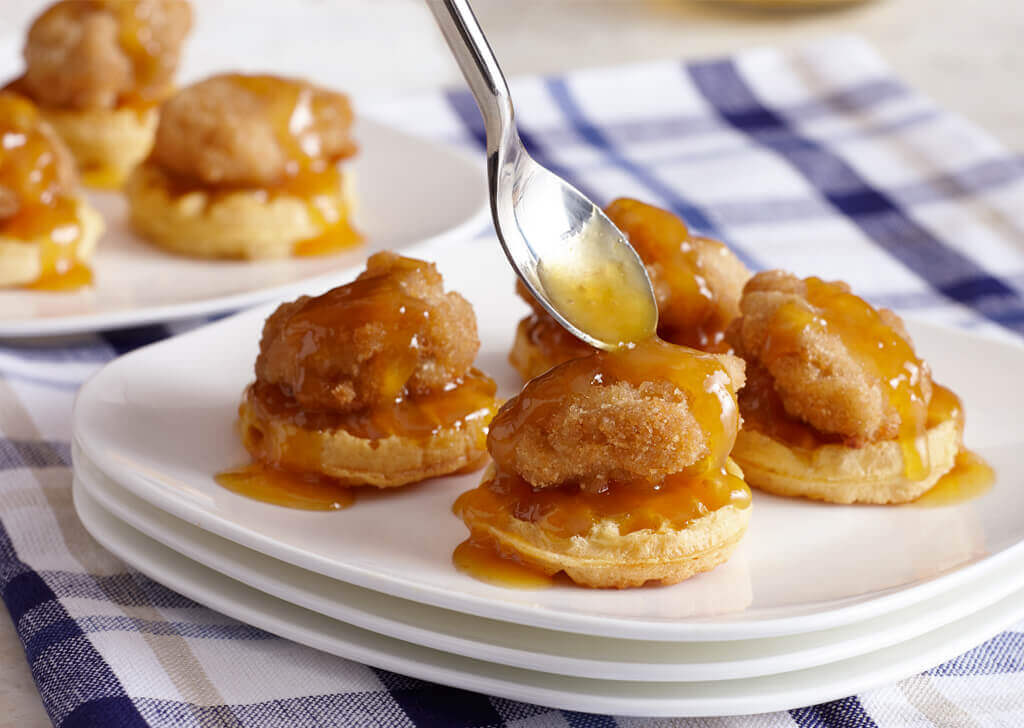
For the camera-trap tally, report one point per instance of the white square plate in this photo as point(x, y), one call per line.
point(408, 190)
point(160, 421)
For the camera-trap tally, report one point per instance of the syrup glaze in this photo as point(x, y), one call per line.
point(413, 416)
point(886, 354)
point(566, 511)
point(304, 491)
point(46, 215)
point(292, 106)
point(970, 477)
point(287, 476)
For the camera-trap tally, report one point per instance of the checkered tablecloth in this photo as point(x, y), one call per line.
point(815, 160)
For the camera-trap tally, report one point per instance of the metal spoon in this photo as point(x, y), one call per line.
point(574, 261)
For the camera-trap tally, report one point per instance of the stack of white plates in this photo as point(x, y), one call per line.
point(819, 601)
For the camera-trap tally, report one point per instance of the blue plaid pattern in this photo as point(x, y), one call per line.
point(814, 160)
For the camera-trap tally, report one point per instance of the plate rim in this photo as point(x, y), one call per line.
point(186, 540)
point(77, 324)
point(498, 680)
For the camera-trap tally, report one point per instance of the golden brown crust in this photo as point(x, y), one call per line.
point(240, 224)
point(596, 433)
point(383, 463)
point(606, 558)
point(837, 473)
point(21, 261)
point(820, 382)
point(328, 361)
point(78, 54)
point(226, 130)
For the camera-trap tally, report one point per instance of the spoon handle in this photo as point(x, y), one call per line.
point(476, 59)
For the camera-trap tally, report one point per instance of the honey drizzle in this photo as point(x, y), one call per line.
point(152, 65)
point(565, 512)
point(46, 215)
point(420, 416)
point(886, 354)
point(284, 488)
point(480, 558)
point(969, 478)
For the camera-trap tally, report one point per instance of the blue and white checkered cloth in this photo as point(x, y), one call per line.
point(815, 160)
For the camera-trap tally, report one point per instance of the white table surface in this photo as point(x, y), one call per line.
point(967, 54)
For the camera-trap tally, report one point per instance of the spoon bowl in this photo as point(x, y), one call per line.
point(570, 256)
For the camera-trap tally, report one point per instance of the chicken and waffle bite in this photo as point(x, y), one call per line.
point(371, 383)
point(613, 468)
point(697, 283)
point(248, 167)
point(47, 231)
point(98, 70)
point(837, 405)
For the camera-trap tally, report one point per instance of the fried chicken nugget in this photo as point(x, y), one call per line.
point(239, 131)
point(819, 380)
point(589, 436)
point(99, 54)
point(44, 169)
point(372, 382)
point(391, 331)
point(38, 198)
point(837, 406)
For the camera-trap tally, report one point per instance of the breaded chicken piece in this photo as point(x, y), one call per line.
point(251, 131)
point(391, 333)
point(35, 165)
point(95, 54)
point(819, 380)
point(697, 281)
point(579, 429)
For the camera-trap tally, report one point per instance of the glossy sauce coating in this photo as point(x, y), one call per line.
point(153, 64)
point(418, 417)
point(970, 477)
point(283, 488)
point(481, 559)
point(600, 289)
point(567, 511)
point(30, 169)
point(876, 344)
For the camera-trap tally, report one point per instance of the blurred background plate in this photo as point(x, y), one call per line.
point(408, 190)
